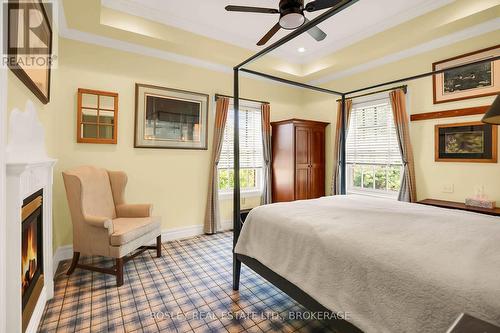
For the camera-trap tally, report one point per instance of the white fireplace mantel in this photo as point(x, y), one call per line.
point(28, 169)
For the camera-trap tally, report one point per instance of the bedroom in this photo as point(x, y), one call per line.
point(115, 51)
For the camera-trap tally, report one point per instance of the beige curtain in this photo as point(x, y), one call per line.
point(335, 190)
point(408, 190)
point(266, 148)
point(212, 217)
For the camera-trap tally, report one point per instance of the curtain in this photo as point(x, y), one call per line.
point(408, 190)
point(212, 216)
point(335, 190)
point(266, 149)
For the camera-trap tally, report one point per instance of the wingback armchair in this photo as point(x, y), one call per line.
point(103, 224)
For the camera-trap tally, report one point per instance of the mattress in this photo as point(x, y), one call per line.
point(389, 266)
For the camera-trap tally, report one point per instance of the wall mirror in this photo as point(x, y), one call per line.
point(97, 116)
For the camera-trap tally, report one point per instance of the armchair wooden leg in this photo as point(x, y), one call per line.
point(158, 246)
point(119, 272)
point(74, 263)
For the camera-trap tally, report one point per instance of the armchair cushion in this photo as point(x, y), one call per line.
point(134, 210)
point(128, 229)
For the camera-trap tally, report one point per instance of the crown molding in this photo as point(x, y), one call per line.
point(437, 43)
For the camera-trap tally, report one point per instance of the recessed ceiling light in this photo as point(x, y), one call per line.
point(301, 50)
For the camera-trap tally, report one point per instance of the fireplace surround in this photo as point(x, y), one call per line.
point(29, 175)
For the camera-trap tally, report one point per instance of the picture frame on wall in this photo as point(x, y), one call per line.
point(30, 45)
point(473, 142)
point(475, 80)
point(170, 118)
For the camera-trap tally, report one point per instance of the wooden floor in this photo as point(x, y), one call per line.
point(187, 290)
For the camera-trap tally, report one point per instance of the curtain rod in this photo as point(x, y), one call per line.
point(404, 87)
point(245, 99)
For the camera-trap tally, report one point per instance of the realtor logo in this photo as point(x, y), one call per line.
point(28, 34)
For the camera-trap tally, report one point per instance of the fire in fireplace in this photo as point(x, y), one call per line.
point(31, 250)
point(29, 259)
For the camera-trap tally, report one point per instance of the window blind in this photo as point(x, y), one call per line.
point(371, 137)
point(251, 154)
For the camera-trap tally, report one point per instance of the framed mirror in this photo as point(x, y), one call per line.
point(97, 118)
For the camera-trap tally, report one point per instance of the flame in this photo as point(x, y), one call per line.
point(29, 257)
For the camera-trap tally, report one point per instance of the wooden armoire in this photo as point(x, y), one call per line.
point(298, 159)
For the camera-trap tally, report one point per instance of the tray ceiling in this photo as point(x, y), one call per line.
point(208, 18)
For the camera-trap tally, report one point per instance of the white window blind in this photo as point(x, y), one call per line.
point(251, 154)
point(371, 137)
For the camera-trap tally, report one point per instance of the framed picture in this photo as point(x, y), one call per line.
point(470, 81)
point(170, 118)
point(30, 45)
point(466, 142)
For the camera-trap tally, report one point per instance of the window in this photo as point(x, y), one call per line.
point(374, 165)
point(251, 154)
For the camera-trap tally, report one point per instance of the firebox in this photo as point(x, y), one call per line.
point(31, 254)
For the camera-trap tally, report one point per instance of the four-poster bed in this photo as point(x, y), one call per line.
point(278, 280)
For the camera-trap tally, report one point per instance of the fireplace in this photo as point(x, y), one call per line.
point(31, 254)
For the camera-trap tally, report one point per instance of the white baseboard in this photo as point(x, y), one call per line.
point(66, 252)
point(180, 233)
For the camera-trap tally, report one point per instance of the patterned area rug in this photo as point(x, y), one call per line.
point(187, 290)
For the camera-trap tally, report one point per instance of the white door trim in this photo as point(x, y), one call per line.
point(3, 139)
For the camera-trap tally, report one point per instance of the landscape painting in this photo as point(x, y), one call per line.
point(477, 76)
point(467, 78)
point(466, 142)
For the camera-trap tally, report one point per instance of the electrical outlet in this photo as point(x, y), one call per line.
point(448, 188)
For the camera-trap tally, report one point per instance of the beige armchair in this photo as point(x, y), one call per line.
point(103, 224)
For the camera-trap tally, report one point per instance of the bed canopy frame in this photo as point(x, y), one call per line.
point(280, 282)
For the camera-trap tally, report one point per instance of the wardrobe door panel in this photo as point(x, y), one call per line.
point(302, 183)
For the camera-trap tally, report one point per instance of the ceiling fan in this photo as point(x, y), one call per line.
point(291, 16)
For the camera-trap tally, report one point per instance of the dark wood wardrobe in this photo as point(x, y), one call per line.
point(298, 163)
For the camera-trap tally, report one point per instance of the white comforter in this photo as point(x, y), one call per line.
point(393, 266)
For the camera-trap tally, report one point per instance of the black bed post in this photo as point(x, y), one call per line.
point(343, 148)
point(236, 194)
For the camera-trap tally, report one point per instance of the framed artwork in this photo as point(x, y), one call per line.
point(470, 81)
point(170, 118)
point(30, 45)
point(475, 142)
point(97, 117)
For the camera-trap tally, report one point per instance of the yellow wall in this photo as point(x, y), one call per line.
point(175, 181)
point(431, 176)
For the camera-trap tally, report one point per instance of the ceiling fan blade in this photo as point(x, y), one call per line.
point(270, 34)
point(316, 33)
point(321, 4)
point(247, 9)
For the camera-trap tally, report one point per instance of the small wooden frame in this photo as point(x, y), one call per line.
point(490, 144)
point(97, 117)
point(450, 113)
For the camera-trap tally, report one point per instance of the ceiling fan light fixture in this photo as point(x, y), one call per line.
point(292, 19)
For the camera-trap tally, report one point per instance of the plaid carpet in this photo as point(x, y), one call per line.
point(187, 290)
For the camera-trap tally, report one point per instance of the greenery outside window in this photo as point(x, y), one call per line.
point(251, 153)
point(374, 164)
